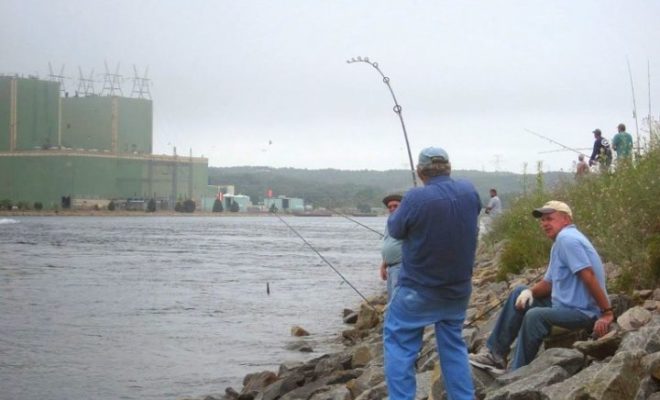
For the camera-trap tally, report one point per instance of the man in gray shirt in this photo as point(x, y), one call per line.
point(391, 250)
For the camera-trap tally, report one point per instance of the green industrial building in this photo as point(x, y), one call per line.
point(86, 150)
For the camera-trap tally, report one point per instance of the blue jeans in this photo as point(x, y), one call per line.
point(409, 311)
point(392, 279)
point(530, 326)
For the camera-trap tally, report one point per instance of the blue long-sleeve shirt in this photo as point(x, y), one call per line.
point(438, 224)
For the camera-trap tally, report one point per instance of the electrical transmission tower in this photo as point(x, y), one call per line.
point(140, 84)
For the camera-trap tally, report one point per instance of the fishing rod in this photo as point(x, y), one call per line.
point(499, 303)
point(397, 108)
point(632, 87)
point(553, 141)
point(324, 259)
point(356, 221)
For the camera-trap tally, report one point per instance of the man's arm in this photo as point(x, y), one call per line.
point(601, 326)
point(542, 289)
point(383, 271)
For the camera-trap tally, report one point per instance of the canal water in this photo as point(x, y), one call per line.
point(167, 307)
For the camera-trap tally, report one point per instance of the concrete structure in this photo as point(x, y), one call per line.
point(283, 203)
point(94, 147)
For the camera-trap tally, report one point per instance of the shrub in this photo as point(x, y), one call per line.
point(5, 204)
point(189, 206)
point(111, 205)
point(38, 206)
point(23, 205)
point(151, 205)
point(217, 206)
point(617, 211)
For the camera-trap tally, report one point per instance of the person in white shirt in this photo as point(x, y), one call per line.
point(494, 207)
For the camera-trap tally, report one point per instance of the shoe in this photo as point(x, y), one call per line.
point(488, 361)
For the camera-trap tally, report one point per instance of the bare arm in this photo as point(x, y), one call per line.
point(383, 271)
point(602, 324)
point(542, 289)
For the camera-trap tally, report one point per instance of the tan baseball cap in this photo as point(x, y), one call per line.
point(552, 206)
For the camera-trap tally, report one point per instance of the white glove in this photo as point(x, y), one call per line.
point(524, 299)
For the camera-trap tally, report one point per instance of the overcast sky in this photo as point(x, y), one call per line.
point(267, 83)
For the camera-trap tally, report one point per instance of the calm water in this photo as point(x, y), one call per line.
point(166, 307)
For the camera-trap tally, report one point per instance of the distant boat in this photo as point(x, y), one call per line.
point(315, 213)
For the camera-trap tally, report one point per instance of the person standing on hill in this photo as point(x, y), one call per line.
point(582, 167)
point(622, 143)
point(494, 207)
point(602, 153)
point(438, 224)
point(391, 250)
point(572, 295)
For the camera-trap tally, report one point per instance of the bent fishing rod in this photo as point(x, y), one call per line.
point(324, 259)
point(397, 108)
point(554, 141)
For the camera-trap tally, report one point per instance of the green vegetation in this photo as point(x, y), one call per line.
point(151, 205)
point(338, 188)
point(619, 212)
point(111, 206)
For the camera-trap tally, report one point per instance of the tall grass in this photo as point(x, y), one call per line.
point(619, 212)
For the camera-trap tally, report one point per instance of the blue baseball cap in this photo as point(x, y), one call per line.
point(431, 155)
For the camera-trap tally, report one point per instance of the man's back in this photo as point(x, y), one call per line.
point(622, 143)
point(438, 223)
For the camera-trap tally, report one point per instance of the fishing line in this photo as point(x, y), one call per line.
point(502, 300)
point(356, 221)
point(324, 259)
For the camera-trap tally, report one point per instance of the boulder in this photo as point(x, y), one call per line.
point(378, 392)
point(298, 331)
point(257, 381)
point(361, 356)
point(646, 339)
point(568, 389)
point(368, 317)
point(619, 379)
point(530, 386)
point(634, 318)
point(570, 360)
point(651, 364)
point(370, 378)
point(601, 348)
point(338, 392)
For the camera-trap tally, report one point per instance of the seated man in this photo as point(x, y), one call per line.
point(571, 295)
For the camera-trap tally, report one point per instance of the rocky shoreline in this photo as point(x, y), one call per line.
point(624, 364)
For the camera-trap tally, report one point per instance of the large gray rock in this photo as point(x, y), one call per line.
point(651, 365)
point(370, 378)
point(634, 318)
point(337, 392)
point(602, 348)
point(567, 389)
point(281, 387)
point(378, 392)
point(529, 387)
point(331, 363)
point(646, 339)
point(570, 360)
point(254, 383)
point(367, 317)
point(617, 380)
point(647, 387)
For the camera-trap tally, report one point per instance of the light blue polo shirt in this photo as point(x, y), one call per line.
point(571, 253)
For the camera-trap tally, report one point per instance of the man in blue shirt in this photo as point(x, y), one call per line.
point(571, 295)
point(438, 224)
